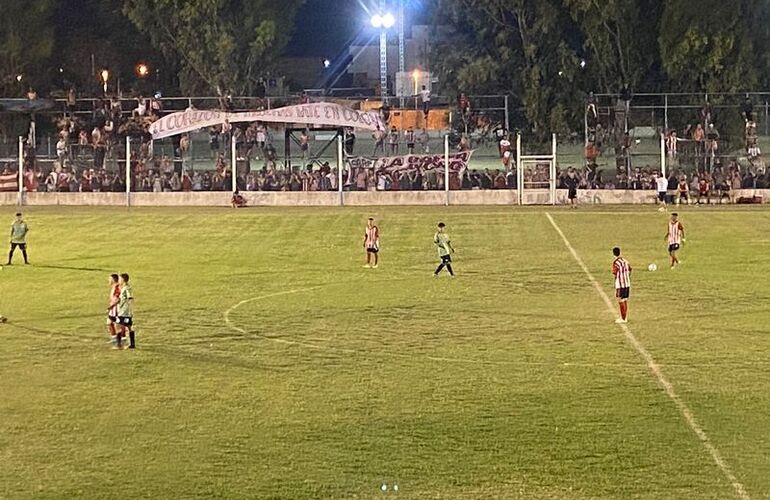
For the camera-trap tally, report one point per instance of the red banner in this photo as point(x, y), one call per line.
point(457, 161)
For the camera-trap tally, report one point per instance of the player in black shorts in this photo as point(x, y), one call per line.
point(571, 182)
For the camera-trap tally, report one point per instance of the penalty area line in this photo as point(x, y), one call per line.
point(654, 367)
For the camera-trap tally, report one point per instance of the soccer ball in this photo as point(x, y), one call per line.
point(652, 267)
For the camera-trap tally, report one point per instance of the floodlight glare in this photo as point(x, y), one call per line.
point(142, 70)
point(388, 21)
point(377, 21)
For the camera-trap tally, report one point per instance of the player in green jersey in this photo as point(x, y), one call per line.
point(444, 246)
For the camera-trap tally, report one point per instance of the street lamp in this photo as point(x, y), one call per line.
point(383, 22)
point(105, 74)
point(142, 70)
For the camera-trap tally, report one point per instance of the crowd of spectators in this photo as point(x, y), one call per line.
point(84, 142)
point(698, 145)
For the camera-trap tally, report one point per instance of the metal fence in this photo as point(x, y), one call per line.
point(627, 134)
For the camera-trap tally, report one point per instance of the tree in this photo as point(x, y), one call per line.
point(718, 47)
point(26, 44)
point(220, 45)
point(98, 31)
point(514, 47)
point(620, 36)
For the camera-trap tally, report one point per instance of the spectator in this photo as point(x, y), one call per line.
point(385, 112)
point(214, 142)
point(72, 101)
point(485, 180)
point(592, 112)
point(409, 138)
point(425, 97)
point(361, 180)
point(698, 136)
point(379, 141)
point(706, 114)
point(304, 144)
point(464, 144)
point(672, 144)
point(424, 140)
point(747, 110)
point(141, 108)
point(712, 145)
point(187, 182)
point(704, 188)
point(464, 105)
point(175, 183)
point(61, 149)
point(156, 105)
point(238, 201)
point(393, 141)
point(350, 141)
point(592, 153)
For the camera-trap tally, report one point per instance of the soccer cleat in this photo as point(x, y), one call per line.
point(3, 319)
point(375, 266)
point(621, 321)
point(367, 266)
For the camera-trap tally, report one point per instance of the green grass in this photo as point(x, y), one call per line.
point(510, 381)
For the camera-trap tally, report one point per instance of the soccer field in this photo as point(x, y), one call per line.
point(271, 365)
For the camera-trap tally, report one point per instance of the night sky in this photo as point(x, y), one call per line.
point(324, 28)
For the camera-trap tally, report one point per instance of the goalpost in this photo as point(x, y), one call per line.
point(534, 189)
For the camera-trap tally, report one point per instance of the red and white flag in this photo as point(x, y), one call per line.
point(9, 182)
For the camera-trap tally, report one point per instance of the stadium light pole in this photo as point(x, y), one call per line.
point(21, 171)
point(401, 40)
point(383, 22)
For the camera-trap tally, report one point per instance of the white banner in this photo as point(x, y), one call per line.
point(457, 161)
point(317, 114)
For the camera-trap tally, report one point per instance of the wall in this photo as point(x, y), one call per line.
point(354, 198)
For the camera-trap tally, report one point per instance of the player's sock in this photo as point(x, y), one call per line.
point(624, 310)
point(131, 339)
point(439, 268)
point(10, 256)
point(449, 268)
point(24, 253)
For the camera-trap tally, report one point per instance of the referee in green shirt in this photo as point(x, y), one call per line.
point(444, 246)
point(19, 231)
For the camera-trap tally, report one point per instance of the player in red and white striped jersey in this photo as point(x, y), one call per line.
point(112, 308)
point(621, 269)
point(675, 238)
point(372, 244)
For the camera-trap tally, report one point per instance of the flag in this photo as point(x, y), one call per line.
point(9, 182)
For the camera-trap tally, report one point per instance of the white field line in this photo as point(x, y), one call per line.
point(656, 370)
point(235, 327)
point(230, 324)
